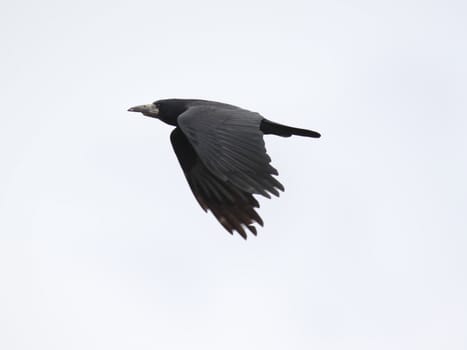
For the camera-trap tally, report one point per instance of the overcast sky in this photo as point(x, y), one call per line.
point(103, 246)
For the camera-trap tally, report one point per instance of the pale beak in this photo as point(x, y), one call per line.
point(150, 110)
point(142, 108)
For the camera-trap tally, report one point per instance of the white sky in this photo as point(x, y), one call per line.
point(102, 245)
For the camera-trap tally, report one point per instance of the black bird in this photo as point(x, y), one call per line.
point(221, 150)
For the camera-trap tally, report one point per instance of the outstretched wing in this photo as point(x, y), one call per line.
point(233, 207)
point(230, 145)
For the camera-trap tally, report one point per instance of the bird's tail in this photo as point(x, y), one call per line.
point(269, 127)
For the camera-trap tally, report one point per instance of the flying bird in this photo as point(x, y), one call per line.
point(221, 150)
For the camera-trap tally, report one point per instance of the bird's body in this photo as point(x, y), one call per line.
point(221, 150)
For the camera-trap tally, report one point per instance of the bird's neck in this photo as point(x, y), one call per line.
point(171, 120)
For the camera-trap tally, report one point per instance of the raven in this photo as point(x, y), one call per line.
point(221, 150)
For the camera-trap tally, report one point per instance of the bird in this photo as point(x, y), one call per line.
point(222, 153)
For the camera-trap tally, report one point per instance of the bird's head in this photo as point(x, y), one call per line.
point(166, 110)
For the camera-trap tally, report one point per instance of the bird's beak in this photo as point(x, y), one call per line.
point(142, 108)
point(150, 110)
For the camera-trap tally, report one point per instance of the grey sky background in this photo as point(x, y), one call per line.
point(102, 243)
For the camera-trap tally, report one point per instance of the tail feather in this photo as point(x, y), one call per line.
point(269, 127)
